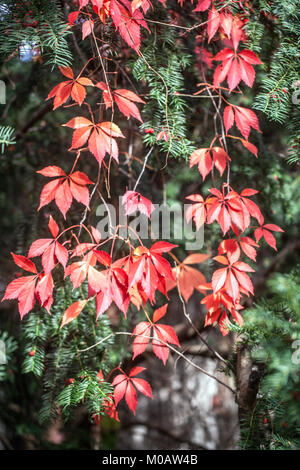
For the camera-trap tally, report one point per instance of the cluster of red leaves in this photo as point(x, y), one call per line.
point(126, 16)
point(137, 277)
point(232, 211)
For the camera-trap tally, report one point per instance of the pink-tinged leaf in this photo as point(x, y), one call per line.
point(67, 72)
point(72, 312)
point(48, 192)
point(168, 334)
point(143, 386)
point(234, 75)
point(224, 55)
point(53, 227)
point(78, 122)
point(96, 234)
point(131, 397)
point(162, 247)
point(15, 287)
point(160, 349)
point(228, 118)
point(273, 227)
point(250, 57)
point(52, 171)
point(48, 258)
point(218, 279)
point(141, 341)
point(124, 100)
point(252, 148)
point(247, 73)
point(103, 257)
point(120, 387)
point(63, 198)
point(24, 263)
point(202, 158)
point(38, 247)
point(248, 246)
point(202, 5)
point(87, 28)
point(136, 371)
point(159, 313)
point(220, 158)
point(61, 254)
point(80, 178)
point(26, 299)
point(245, 120)
point(196, 258)
point(135, 201)
point(44, 290)
point(80, 193)
point(213, 23)
point(232, 286)
point(270, 239)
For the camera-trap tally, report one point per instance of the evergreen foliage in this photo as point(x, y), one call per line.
point(38, 28)
point(274, 32)
point(272, 331)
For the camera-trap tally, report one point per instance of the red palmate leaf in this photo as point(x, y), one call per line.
point(124, 100)
point(236, 67)
point(135, 201)
point(50, 249)
point(264, 232)
point(128, 22)
point(244, 118)
point(75, 87)
point(64, 188)
point(188, 278)
point(100, 137)
point(124, 387)
point(162, 334)
point(207, 157)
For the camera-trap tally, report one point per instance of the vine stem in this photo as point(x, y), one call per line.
point(143, 169)
point(187, 316)
point(172, 348)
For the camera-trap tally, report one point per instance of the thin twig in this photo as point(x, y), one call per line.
point(143, 169)
point(167, 345)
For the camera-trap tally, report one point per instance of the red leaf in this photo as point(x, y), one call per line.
point(124, 100)
point(24, 263)
point(53, 227)
point(134, 201)
point(23, 289)
point(213, 23)
point(228, 117)
point(202, 158)
point(159, 313)
point(87, 28)
point(202, 5)
point(245, 119)
point(72, 312)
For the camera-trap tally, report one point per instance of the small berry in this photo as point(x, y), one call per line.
point(31, 353)
point(150, 130)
